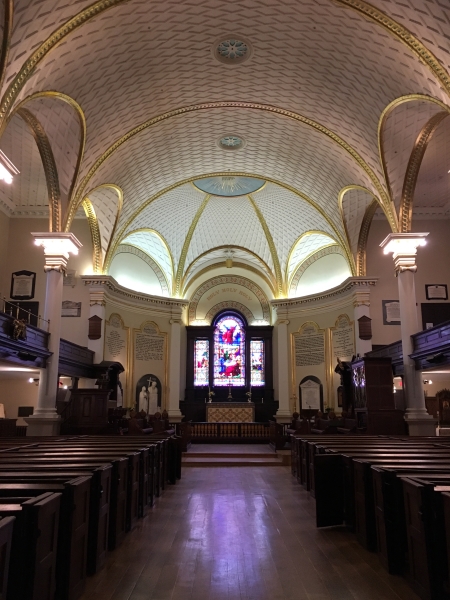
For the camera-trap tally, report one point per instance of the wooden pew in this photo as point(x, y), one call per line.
point(72, 532)
point(32, 567)
point(6, 534)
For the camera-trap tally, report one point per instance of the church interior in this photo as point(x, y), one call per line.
point(224, 309)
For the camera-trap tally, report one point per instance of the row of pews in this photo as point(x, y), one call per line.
point(65, 502)
point(393, 493)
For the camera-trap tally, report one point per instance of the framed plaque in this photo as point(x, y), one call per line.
point(391, 312)
point(71, 309)
point(22, 285)
point(436, 291)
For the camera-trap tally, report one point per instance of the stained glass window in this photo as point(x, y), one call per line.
point(201, 364)
point(229, 351)
point(257, 362)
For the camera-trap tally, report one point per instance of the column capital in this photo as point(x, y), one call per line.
point(57, 247)
point(97, 297)
point(403, 247)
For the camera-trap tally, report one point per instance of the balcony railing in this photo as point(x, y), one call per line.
point(13, 309)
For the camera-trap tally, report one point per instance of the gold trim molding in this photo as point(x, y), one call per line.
point(384, 198)
point(413, 168)
point(187, 243)
point(361, 250)
point(119, 193)
point(97, 258)
point(49, 164)
point(273, 251)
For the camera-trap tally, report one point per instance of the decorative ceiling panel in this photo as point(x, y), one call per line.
point(433, 183)
point(139, 59)
point(185, 147)
point(151, 244)
point(29, 188)
point(288, 216)
point(105, 201)
point(171, 215)
point(354, 204)
point(308, 245)
point(429, 21)
point(232, 222)
point(400, 131)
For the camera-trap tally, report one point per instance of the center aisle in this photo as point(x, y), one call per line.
point(247, 533)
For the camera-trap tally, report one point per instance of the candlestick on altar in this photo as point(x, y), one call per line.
point(230, 397)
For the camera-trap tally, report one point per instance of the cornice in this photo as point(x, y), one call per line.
point(125, 298)
point(328, 297)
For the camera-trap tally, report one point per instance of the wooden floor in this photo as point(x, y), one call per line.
point(247, 533)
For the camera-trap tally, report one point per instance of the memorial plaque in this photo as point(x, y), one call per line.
point(150, 354)
point(116, 348)
point(310, 395)
point(343, 338)
point(309, 345)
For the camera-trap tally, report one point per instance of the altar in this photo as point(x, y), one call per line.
point(230, 412)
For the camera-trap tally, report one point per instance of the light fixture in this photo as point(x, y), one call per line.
point(403, 243)
point(30, 380)
point(7, 169)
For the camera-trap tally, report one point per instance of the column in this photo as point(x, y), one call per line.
point(173, 408)
point(403, 247)
point(284, 414)
point(57, 247)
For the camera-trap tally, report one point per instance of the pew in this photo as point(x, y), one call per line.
point(72, 532)
point(6, 533)
point(32, 567)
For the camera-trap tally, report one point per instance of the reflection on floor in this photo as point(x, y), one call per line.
point(237, 534)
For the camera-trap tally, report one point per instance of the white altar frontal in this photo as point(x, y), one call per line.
point(230, 412)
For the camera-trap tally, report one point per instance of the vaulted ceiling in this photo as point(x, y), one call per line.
point(116, 107)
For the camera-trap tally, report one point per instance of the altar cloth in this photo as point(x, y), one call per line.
point(230, 412)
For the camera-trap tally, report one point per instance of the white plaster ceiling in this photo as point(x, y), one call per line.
point(354, 204)
point(152, 244)
point(140, 59)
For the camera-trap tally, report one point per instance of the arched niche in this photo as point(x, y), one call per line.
point(229, 352)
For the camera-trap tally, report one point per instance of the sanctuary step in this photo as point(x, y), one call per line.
point(238, 455)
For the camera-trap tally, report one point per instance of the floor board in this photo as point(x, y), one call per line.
point(235, 534)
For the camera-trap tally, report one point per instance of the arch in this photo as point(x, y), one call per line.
point(130, 249)
point(97, 258)
point(382, 121)
point(227, 306)
point(413, 168)
point(48, 162)
point(298, 240)
point(361, 254)
point(267, 277)
point(158, 235)
point(169, 188)
point(384, 197)
point(311, 259)
point(229, 349)
point(119, 192)
point(367, 10)
point(224, 279)
point(273, 251)
point(81, 118)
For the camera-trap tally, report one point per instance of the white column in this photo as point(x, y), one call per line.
point(173, 408)
point(57, 246)
point(404, 249)
point(284, 412)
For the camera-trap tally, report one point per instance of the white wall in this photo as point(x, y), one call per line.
point(15, 391)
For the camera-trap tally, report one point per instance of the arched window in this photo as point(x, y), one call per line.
point(229, 351)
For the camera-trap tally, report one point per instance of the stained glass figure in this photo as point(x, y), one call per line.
point(229, 352)
point(201, 364)
point(257, 362)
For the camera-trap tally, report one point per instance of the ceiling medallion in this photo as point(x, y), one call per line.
point(231, 142)
point(232, 50)
point(229, 185)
